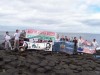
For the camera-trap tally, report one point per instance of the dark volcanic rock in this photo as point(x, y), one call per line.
point(2, 47)
point(58, 67)
point(97, 69)
point(97, 61)
point(36, 61)
point(51, 63)
point(1, 58)
point(41, 63)
point(48, 68)
point(61, 72)
point(33, 67)
point(1, 64)
point(42, 70)
point(73, 67)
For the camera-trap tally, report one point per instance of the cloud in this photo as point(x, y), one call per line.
point(92, 22)
point(53, 15)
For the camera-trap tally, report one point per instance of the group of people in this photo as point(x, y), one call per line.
point(8, 38)
point(77, 42)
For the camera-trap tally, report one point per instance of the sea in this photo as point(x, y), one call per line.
point(86, 36)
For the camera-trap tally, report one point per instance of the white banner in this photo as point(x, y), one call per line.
point(39, 46)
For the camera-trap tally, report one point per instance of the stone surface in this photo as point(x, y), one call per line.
point(42, 70)
point(47, 63)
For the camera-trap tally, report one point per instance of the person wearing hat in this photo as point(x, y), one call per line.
point(7, 41)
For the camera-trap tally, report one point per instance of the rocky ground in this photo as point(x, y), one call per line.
point(47, 63)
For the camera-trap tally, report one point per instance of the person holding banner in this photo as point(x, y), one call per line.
point(75, 45)
point(16, 39)
point(62, 38)
point(7, 41)
point(86, 43)
point(66, 38)
point(56, 46)
point(94, 43)
point(50, 40)
point(57, 39)
point(80, 42)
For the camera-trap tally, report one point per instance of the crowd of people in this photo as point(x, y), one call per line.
point(77, 42)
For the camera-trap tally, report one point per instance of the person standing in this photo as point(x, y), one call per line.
point(80, 42)
point(66, 39)
point(7, 41)
point(57, 39)
point(75, 45)
point(62, 39)
point(94, 43)
point(16, 39)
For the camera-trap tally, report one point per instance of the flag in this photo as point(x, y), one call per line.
point(89, 50)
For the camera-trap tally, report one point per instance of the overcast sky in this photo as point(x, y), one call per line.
point(54, 15)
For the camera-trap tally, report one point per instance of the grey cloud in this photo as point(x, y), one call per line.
point(42, 21)
point(92, 22)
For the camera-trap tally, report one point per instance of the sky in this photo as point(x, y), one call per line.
point(74, 16)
